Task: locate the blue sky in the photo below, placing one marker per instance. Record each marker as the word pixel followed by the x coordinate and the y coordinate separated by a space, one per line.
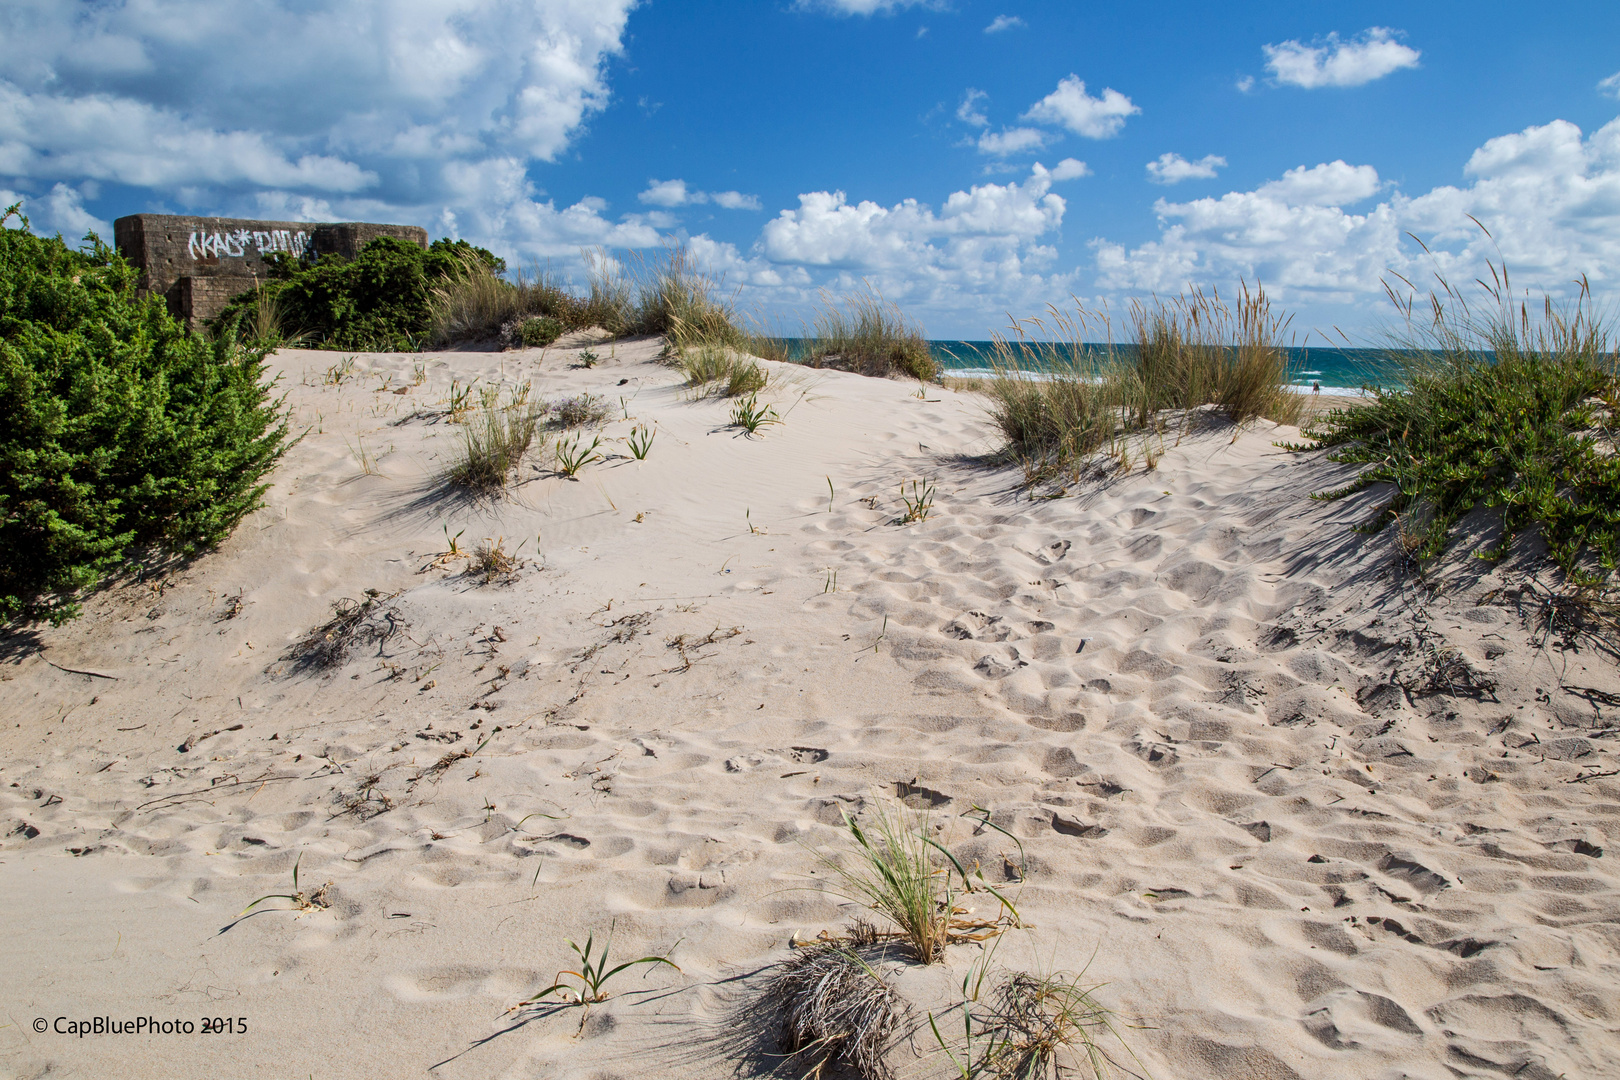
pixel 969 159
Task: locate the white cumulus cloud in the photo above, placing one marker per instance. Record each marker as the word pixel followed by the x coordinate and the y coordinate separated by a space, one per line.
pixel 358 108
pixel 1003 22
pixel 1610 86
pixel 1332 62
pixel 1069 169
pixel 969 112
pixel 1071 107
pixel 1011 141
pixel 1173 168
pixel 673 193
pixel 1549 196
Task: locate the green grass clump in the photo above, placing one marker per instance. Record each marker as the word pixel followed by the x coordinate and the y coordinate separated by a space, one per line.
pixel 894 869
pixel 717 369
pixel 863 332
pixel 494 440
pixel 1500 409
pixel 1061 403
pixel 123 437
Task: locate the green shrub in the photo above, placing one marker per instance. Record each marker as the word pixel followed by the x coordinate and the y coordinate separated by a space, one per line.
pixel 1503 411
pixel 121 434
pixel 538 333
pixel 379 301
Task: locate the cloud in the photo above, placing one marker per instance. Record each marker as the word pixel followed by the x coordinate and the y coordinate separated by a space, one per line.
pixel 1550 198
pixel 1173 168
pixel 1245 84
pixel 1011 141
pixel 1003 22
pixel 969 112
pixel 1610 86
pixel 673 193
pixel 864 7
pixel 346 108
pixel 1332 62
pixel 1069 169
pixel 1071 107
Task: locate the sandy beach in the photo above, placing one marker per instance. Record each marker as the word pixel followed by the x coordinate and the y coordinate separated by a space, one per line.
pixel 1298 814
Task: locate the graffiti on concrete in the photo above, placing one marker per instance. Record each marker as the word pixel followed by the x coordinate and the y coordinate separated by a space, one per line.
pixel 235 243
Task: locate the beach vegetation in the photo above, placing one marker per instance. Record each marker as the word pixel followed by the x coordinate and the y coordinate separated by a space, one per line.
pixel 720 370
pixel 640 441
pixel 834 1009
pixel 750 415
pixel 581 410
pixel 572 455
pixel 919 503
pixel 302 900
pixel 373 619
pixel 494 440
pixel 586 983
pixel 1062 404
pixel 1034 1027
pixel 125 440
pixel 862 331
pixel 1502 405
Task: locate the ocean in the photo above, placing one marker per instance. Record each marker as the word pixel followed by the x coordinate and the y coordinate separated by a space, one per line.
pixel 1335 370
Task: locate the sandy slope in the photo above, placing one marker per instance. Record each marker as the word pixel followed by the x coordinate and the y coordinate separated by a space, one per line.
pixel 1206 707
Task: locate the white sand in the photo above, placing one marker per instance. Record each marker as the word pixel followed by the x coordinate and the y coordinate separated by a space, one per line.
pixel 1175 687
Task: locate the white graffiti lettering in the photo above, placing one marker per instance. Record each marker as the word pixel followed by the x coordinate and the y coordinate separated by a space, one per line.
pixel 234 244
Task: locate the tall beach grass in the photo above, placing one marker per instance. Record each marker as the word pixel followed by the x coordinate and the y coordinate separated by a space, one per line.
pixel 1061 403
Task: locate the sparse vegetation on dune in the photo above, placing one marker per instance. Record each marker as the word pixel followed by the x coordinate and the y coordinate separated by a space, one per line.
pixel 1501 406
pixel 721 370
pixel 494 440
pixel 1061 404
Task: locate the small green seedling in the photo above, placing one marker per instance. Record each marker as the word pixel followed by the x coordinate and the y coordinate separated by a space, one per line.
pixel 588 359
pixel 920 503
pixel 641 440
pixel 572 457
pixel 315 900
pixel 593 974
pixel 751 416
pixel 829 495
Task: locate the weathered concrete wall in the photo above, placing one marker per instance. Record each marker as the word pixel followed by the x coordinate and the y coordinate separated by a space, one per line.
pixel 198 263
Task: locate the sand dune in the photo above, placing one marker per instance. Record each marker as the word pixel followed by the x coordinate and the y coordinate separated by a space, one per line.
pixel 1302 818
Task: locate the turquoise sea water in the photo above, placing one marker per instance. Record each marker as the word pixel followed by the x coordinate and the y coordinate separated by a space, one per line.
pixel 1341 370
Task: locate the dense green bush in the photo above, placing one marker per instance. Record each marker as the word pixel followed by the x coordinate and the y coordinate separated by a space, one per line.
pixel 379 301
pixel 121 434
pixel 1502 411
pixel 540 332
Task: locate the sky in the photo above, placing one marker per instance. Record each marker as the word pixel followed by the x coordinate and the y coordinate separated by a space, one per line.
pixel 973 161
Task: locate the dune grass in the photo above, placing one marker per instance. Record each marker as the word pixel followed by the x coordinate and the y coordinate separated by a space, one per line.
pixel 1061 404
pixel 863 332
pixel 720 370
pixel 494 440
pixel 1501 405
pixel 1035 1027
pixel 894 869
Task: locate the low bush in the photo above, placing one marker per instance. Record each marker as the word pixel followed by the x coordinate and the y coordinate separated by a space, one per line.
pixel 122 435
pixel 382 300
pixel 582 410
pixel 1503 410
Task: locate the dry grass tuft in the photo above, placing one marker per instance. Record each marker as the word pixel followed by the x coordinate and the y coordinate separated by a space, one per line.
pixel 371 620
pixel 1037 1027
pixel 492 562
pixel 835 1009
